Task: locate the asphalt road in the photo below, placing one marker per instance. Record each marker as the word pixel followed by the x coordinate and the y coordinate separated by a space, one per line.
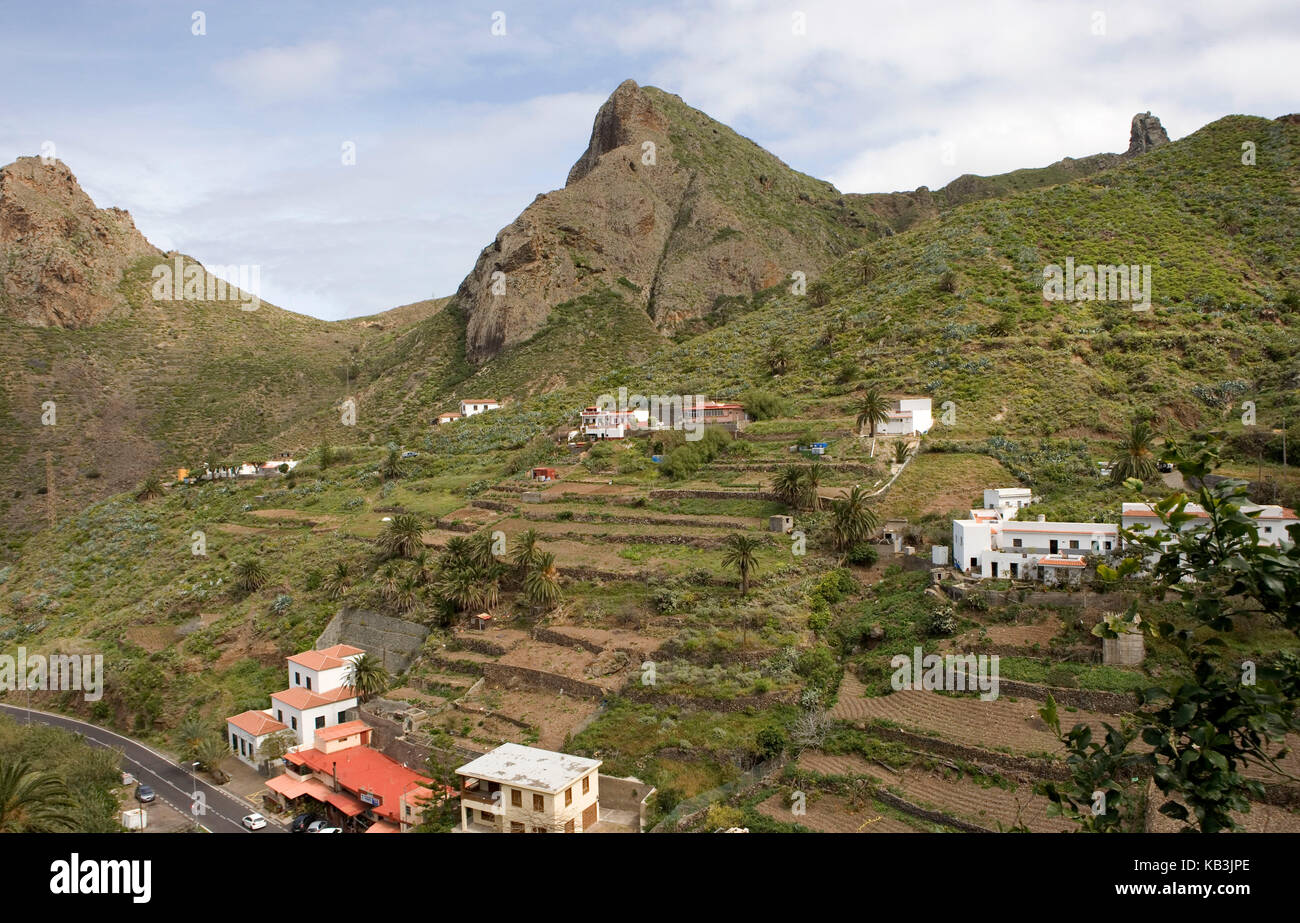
pixel 171 782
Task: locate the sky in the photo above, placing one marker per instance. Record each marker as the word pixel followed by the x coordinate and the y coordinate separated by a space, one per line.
pixel 224 127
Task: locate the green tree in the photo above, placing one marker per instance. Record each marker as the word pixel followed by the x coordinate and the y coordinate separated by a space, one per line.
pixel 368 677
pixel 212 752
pixel 276 746
pixel 1217 715
pixel 32 801
pixel 1136 455
pixel 325 454
pixel 788 485
pixel 852 519
pixel 403 536
pixel 151 488
pixel 812 481
pixel 542 583
pixel 338 582
pixel 392 467
pixel 740 555
pixel 873 409
pixel 250 574
pixel 527 553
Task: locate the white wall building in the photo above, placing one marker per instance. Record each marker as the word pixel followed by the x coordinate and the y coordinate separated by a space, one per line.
pixel 909 416
pixel 474 405
pixel 1007 500
pixel 987 545
pixel 246 733
pixel 317 698
pixel 613 424
pixel 518 789
pixel 1271 523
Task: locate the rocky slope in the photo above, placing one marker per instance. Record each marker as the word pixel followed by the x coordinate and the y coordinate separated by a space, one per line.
pixel 676 208
pixel 60 256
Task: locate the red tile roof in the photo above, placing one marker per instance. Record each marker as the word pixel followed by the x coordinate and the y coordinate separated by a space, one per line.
pixel 341 651
pixel 346 729
pixel 316 660
pixel 1060 562
pixel 291 788
pixel 256 723
pixel 361 769
pixel 301 698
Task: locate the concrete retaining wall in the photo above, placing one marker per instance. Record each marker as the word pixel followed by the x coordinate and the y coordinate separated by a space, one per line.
pixel 394 641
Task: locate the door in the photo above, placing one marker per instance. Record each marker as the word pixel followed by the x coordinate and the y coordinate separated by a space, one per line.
pixel 995 568
pixel 1015 570
pixel 1054 545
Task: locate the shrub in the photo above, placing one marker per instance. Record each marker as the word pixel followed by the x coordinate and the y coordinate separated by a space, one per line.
pixel 770 742
pixel 863 554
pixel 763 405
pixel 942 621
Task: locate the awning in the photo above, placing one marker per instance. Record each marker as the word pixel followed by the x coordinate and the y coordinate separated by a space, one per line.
pixel 291 788
pixel 382 826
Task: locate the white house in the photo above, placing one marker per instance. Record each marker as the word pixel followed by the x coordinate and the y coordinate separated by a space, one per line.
pixel 247 731
pixel 317 698
pixel 448 418
pixel 987 545
pixel 612 424
pixel 1007 500
pixel 1271 522
pixel 471 406
pixel 520 789
pixel 909 416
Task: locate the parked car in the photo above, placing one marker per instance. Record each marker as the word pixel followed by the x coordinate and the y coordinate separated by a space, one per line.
pixel 317 825
pixel 330 830
pixel 254 821
pixel 410 454
pixel 1164 466
pixel 302 821
pixel 144 794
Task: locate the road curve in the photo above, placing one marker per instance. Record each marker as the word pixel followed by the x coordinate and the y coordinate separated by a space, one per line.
pixel 173 783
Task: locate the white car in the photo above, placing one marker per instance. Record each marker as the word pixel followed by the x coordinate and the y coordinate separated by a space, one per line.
pixel 330 830
pixel 254 821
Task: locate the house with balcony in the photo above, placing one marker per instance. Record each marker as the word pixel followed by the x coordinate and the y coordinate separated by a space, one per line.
pixel 987 545
pixel 908 415
pixel 519 789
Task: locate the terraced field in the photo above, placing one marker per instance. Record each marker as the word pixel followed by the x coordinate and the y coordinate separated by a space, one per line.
pixel 833 814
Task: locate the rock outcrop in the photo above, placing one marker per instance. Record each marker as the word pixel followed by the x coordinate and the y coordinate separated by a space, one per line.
pixel 667 207
pixel 1145 134
pixel 61 258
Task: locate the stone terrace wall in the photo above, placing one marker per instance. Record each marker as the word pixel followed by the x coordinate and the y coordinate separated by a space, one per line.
pixel 501 674
pixel 395 641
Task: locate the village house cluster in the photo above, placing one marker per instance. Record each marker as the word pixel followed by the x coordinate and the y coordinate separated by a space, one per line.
pixel 992 543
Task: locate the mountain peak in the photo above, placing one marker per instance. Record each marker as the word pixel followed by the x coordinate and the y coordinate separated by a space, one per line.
pixel 627 113
pixel 62 256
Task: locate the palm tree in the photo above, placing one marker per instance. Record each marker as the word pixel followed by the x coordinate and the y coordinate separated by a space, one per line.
pixel 367 676
pixel 402 536
pixel 479 552
pixel 406 596
pixel 872 409
pixel 778 360
pixel 788 485
pixel 869 267
pixel 740 556
pixel 459 586
pixel 32 801
pixel 853 520
pixel 527 553
pixel 338 582
pixel 212 751
pixel 542 582
pixel 250 574
pixel 387 579
pixel 391 468
pixel 1136 458
pixel 150 489
pixel 190 734
pixel 812 479
pixel 900 452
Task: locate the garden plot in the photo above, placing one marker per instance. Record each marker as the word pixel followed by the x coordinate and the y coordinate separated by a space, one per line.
pixel 559 489
pixel 1001 725
pixel 643 641
pixel 833 814
pixel 989 806
pixel 553 716
pixel 471 515
pixel 1001 634
pixel 844 764
pixel 940 482
pixel 570 662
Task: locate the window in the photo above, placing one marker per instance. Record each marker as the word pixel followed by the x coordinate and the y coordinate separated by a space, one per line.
pixel 279 716
pixel 234 742
pixel 516 826
pixel 309 682
pixel 297 678
pixel 1074 543
pixel 539 803
pixel 1108 546
pixel 1016 543
pixel 586 784
pixel 516 798
pixel 293 722
pixel 343 717
pixel 568 827
pixel 568 796
pixel 320 722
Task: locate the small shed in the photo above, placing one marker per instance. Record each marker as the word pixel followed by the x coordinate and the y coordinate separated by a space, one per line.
pixel 545 474
pixel 481 620
pixel 780 524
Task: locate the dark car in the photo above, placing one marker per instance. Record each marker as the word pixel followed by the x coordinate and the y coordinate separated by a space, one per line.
pixel 302 822
pixel 144 794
